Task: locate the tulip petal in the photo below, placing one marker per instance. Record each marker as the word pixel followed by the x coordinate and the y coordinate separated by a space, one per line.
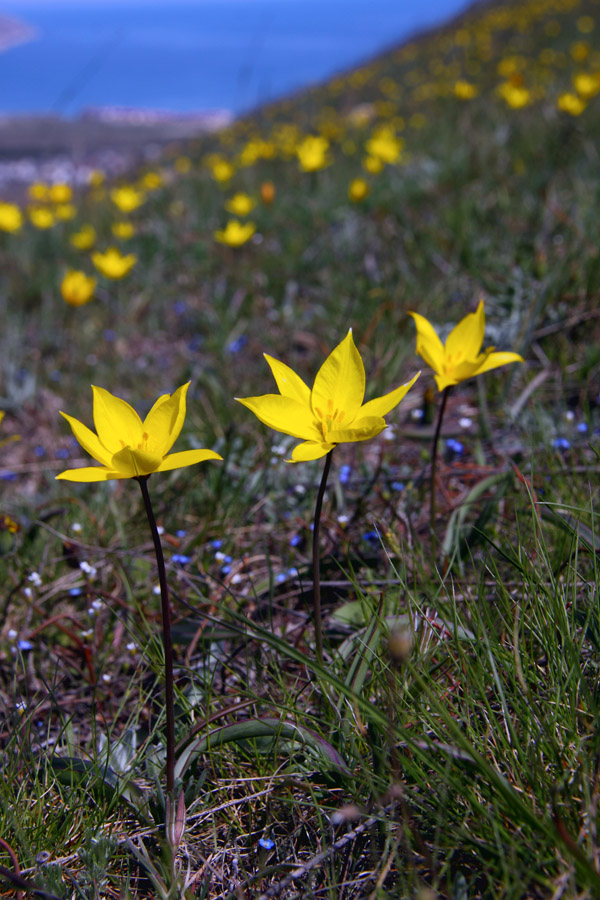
pixel 339 387
pixel 502 358
pixel 164 422
pixel 289 383
pixel 284 414
pixel 429 346
pixel 381 406
pixel 133 463
pixel 91 473
pixel 465 340
pixel 88 440
pixel 310 450
pixel 361 430
pixel 117 423
pixel 186 458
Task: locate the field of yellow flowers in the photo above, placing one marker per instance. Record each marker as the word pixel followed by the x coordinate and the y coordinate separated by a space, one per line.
pixel 341 637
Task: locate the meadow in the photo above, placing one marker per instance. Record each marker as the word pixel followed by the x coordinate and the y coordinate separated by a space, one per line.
pixel 385 681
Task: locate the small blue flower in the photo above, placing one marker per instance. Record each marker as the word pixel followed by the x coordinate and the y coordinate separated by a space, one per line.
pixel 225 570
pixel 371 537
pixel 179 307
pixel 561 443
pixel 295 540
pixel 238 344
pixel 344 476
pixel 181 533
pixel 293 572
pixel 217 544
pixel 181 559
pixel 8 476
pixel 75 592
pixel 397 485
pixel 62 453
pixel 582 427
pixel 266 843
pixel 454 446
pixel 24 646
pixel 39 450
pixel 280 577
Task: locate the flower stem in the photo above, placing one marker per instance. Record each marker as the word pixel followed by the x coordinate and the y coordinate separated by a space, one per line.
pixel 316 560
pixel 167 642
pixel 434 455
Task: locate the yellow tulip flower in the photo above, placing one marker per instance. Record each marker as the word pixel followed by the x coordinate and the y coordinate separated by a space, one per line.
pixel 83 239
pixel 114 264
pixel 332 412
pixel 123 230
pixel 461 356
pixel 77 287
pixel 313 154
pixel 11 219
pixel 41 217
pixel 235 234
pixel 125 446
pixel 240 204
pixel 127 198
pixel 358 190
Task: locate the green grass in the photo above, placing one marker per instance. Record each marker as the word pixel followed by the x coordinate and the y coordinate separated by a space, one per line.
pixel 449 744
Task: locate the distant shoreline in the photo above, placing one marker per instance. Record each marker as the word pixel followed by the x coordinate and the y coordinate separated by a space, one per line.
pixel 13 32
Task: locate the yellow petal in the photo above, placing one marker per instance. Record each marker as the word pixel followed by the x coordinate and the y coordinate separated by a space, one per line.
pixel 493 360
pixel 92 473
pixel 340 382
pixel 133 463
pixel 465 340
pixel 289 384
pixel 381 406
pixel 88 440
pixel 164 422
pixel 284 414
pixel 310 450
pixel 429 346
pixel 361 430
pixel 186 458
pixel 117 423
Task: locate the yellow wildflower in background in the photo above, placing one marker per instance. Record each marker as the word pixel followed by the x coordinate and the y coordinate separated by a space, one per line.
pixel 39 191
pixel 515 95
pixel 60 193
pixel 114 264
pixel 372 164
pixel 127 198
pixel 461 357
pixel 123 230
pixel 587 84
pixel 125 446
pixel 240 204
pixel 151 181
pixel 358 190
pixel 11 218
pixel 65 211
pixel 83 239
pixel 222 171
pixel 571 104
pixel 41 217
pixel 384 145
pixel 235 233
pixel 77 288
pixel 312 153
pixel 332 412
pixel 465 90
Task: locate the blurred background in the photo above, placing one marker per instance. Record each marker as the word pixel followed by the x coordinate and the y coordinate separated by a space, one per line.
pixel 189 57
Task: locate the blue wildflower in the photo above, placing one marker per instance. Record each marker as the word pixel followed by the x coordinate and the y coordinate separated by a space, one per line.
pixel 266 843
pixel 238 344
pixel 561 443
pixel 344 476
pixel 397 485
pixel 295 540
pixel 582 427
pixel 181 559
pixel 454 446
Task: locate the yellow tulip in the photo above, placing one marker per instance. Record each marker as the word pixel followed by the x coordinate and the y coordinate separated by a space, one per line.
pixel 332 412
pixel 114 264
pixel 77 288
pixel 125 446
pixel 461 356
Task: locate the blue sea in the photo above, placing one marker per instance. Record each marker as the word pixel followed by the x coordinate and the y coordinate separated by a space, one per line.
pixel 196 55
